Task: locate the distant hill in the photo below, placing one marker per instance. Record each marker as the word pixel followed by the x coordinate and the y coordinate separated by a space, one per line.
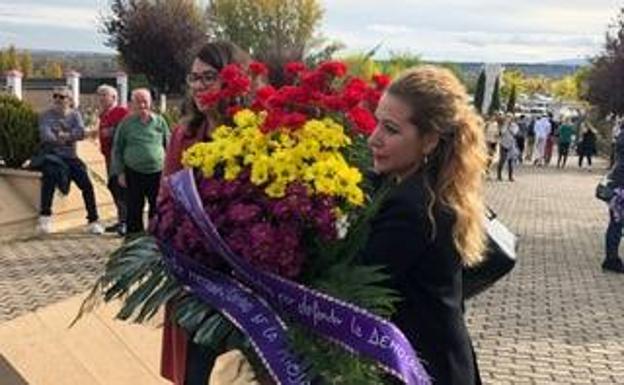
pixel 99 64
pixel 87 63
pixel 538 69
pixel 578 62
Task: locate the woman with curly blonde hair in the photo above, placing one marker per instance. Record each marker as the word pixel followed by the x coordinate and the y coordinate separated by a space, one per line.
pixel 430 225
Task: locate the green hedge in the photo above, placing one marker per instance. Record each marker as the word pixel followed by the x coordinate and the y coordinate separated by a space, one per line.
pixel 19 133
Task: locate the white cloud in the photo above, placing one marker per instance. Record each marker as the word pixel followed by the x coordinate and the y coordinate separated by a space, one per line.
pixel 490 30
pixel 37 15
pixel 389 29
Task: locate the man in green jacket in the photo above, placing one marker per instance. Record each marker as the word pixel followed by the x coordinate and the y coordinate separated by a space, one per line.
pixel 138 157
pixel 566 130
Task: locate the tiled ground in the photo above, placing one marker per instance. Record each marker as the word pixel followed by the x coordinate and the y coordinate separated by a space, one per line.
pixel 557 319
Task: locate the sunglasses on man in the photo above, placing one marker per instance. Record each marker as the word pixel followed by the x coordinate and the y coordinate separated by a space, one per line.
pixel 59 96
pixel 206 78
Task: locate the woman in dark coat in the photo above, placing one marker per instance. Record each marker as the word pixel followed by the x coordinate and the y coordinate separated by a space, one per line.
pixel 587 146
pixel 429 140
pixel 613 236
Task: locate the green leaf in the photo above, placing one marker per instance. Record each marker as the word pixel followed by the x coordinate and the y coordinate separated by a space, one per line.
pixel 139 295
pixel 213 331
pixel 160 297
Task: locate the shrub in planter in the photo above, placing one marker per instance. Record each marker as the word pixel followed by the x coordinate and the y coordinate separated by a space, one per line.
pixel 19 133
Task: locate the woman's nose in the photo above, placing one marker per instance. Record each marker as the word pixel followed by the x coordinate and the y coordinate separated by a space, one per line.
pixel 373 139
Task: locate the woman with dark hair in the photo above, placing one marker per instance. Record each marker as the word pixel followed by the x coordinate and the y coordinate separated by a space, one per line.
pixel 184 362
pixel 203 77
pixel 430 143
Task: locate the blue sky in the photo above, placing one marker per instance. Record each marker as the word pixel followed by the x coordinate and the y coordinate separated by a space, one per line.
pixel 456 30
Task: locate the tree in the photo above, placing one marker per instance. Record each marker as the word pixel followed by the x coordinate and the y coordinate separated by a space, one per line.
pixel 511 101
pixel 11 58
pixel 495 105
pixel 52 69
pixel 537 85
pixel 605 83
pixel 480 92
pixel 3 62
pixel 567 88
pixel 273 31
pixel 513 78
pixel 156 38
pixel 26 64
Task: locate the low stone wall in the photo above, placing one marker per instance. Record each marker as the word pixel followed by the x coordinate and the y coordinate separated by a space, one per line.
pixel 20 192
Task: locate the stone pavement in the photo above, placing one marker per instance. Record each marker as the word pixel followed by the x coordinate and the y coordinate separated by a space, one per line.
pixel 556 319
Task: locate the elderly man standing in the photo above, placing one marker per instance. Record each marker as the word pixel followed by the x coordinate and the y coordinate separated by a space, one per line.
pixel 60 127
pixel 110 116
pixel 138 157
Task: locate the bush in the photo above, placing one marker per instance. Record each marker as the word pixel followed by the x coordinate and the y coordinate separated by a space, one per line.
pixel 19 133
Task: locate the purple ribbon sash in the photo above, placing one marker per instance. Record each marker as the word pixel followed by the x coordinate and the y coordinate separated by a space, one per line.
pixel 266 331
pixel 354 328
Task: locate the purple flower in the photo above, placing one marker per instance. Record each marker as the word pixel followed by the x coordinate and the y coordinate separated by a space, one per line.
pixel 242 213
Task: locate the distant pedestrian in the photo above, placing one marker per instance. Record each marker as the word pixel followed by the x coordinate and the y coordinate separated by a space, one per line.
pixel 60 127
pixel 530 139
pixel 138 157
pixel 111 115
pixel 508 151
pixel 492 134
pixel 521 136
pixel 587 146
pixel 566 131
pixel 615 132
pixel 552 139
pixel 613 236
pixel 542 131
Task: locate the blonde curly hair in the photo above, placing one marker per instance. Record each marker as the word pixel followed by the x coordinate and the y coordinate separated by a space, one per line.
pixel 454 169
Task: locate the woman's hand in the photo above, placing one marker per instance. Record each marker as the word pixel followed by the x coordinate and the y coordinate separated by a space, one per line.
pixel 232 368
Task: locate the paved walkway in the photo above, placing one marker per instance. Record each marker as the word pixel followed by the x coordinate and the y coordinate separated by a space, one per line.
pixel 556 319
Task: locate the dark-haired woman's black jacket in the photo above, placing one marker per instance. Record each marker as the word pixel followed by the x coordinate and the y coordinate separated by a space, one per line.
pixel 427 274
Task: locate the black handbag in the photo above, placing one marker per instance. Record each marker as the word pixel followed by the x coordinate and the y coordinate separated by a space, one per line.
pixel 604 189
pixel 499 260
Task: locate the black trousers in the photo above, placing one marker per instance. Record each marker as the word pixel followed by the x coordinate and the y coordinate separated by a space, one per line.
pixel 119 197
pixel 140 187
pixel 584 155
pixel 77 174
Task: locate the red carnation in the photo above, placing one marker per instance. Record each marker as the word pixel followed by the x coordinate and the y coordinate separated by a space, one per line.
pixel 294 120
pixel 294 68
pixel 334 68
pixel 332 102
pixel 373 98
pixel 363 120
pixel 381 81
pixel 210 98
pixel 231 72
pixel 258 68
pixel 313 80
pixel 231 111
pixel 272 121
pixel 262 97
pixel 354 92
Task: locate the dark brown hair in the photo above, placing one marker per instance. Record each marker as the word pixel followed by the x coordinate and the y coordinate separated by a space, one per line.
pixel 217 54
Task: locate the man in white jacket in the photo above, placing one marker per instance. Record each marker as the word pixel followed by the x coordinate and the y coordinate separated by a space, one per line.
pixel 542 130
